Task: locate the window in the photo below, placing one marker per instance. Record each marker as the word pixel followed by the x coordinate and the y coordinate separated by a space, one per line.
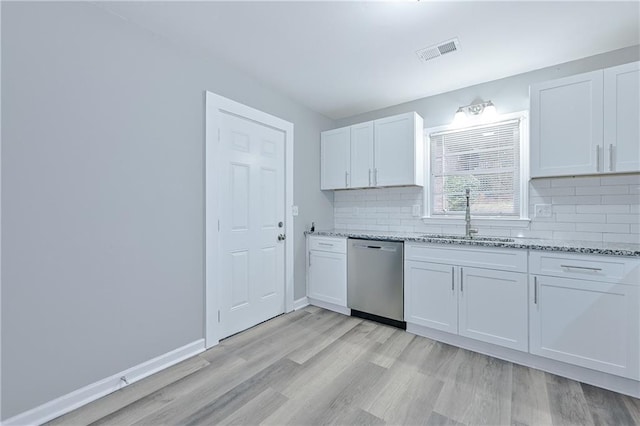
pixel 487 159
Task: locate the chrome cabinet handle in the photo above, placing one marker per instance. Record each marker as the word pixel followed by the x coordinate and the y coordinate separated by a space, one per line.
pixel 597 158
pixel 461 281
pixel 369 177
pixel 610 157
pixel 375 176
pixel 346 179
pixel 588 268
pixel 452 278
pixel 309 259
pixel 535 290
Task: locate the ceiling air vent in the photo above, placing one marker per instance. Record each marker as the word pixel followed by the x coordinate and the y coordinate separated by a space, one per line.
pixel 437 50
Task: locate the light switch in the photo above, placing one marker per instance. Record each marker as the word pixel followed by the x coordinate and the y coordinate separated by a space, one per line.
pixel 294 210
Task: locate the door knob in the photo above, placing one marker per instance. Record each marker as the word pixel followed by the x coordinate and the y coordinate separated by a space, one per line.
pixel 281 237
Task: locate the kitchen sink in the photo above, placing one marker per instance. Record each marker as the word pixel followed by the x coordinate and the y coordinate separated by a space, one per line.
pixel 462 237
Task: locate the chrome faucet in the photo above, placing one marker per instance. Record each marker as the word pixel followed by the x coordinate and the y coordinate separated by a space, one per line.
pixel 468 231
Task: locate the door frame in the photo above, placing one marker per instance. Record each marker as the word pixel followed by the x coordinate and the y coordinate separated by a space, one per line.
pixel 215 105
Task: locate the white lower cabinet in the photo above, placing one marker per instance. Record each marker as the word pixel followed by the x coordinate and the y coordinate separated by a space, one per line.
pixel 430 296
pixel 493 307
pixel 489 305
pixel 571 314
pixel 591 320
pixel 327 270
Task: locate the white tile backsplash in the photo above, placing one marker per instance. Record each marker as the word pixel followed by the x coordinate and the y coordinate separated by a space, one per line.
pixel 573 218
pixel 604 208
pixel 623 218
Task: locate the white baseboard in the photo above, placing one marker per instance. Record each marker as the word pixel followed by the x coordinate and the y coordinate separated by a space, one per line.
pixel 300 303
pixel 66 403
pixel 330 306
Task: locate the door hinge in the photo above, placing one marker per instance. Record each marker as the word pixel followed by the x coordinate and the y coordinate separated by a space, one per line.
pixel 218 315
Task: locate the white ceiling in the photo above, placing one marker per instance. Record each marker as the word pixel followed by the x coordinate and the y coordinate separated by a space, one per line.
pixel 345 58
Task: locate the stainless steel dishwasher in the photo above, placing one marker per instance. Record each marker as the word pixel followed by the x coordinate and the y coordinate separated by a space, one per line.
pixel 375 280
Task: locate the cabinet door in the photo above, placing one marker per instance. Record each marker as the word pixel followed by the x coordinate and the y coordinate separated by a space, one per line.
pixel 327 277
pixel 587 323
pixel 335 147
pixel 566 126
pixel 398 150
pixel 430 297
pixel 493 307
pixel 621 112
pixel 362 155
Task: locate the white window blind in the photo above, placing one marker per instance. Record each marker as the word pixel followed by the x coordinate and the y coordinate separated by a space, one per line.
pixel 486 160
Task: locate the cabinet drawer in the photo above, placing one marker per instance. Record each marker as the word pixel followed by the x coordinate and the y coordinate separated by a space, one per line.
pixel 331 244
pixel 514 260
pixel 616 269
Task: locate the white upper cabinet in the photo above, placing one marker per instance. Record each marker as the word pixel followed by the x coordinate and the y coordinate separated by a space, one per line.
pixel 335 158
pixel 622 118
pixel 586 124
pixel 399 150
pixel 384 152
pixel 362 155
pixel 566 126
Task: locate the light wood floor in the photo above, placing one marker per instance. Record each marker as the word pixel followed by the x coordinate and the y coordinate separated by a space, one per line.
pixel 317 367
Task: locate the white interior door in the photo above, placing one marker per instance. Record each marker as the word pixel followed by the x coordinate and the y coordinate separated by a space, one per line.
pixel 252 216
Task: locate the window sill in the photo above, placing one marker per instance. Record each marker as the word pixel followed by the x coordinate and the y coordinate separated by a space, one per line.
pixel 498 222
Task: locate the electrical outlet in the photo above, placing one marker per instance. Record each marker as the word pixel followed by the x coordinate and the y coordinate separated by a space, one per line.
pixel 543 210
pixel 416 210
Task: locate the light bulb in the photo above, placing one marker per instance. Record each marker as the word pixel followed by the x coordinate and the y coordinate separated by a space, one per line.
pixel 460 117
pixel 490 110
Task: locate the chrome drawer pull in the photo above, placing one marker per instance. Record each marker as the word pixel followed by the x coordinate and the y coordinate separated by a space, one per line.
pixel 326 244
pixel 611 157
pixel 452 279
pixel 535 290
pixel 581 267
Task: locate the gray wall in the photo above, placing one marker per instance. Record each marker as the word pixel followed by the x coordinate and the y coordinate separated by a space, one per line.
pixel 509 94
pixel 103 194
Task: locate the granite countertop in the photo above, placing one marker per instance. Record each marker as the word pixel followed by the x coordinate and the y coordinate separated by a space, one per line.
pixel 587 247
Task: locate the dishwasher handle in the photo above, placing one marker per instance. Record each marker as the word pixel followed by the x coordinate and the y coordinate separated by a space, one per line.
pixel 374 247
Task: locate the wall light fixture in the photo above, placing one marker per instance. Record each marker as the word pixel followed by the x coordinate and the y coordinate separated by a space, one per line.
pixel 485 109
